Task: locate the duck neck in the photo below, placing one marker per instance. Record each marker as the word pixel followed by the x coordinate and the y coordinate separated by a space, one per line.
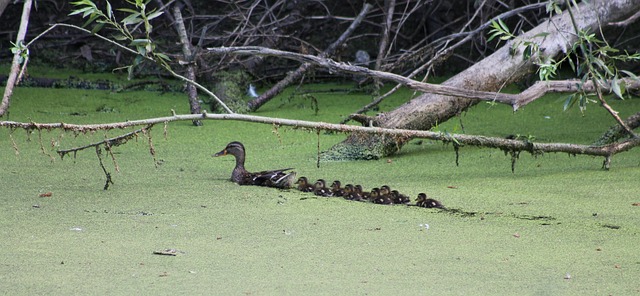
pixel 239 171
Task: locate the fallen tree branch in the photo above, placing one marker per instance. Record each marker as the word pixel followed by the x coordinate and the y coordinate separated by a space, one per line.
pixel 534 92
pixel 507 145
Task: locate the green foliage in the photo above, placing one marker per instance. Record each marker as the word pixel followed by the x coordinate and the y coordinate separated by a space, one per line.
pixel 590 58
pixel 22 49
pixel 145 47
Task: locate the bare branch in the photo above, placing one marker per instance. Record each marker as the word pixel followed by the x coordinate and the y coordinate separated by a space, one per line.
pixel 276 89
pixel 192 92
pixel 15 65
pixel 534 92
pixel 173 73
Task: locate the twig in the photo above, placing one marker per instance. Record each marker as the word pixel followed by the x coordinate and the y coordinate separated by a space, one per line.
pixel 106 173
pixel 276 89
pixel 173 73
pixel 613 113
pixel 111 142
pixel 626 22
pixel 390 6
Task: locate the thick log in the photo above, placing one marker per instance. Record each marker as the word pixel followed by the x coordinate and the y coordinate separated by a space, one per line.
pixel 490 74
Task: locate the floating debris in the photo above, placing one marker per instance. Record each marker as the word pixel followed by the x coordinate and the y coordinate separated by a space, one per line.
pixel 168 252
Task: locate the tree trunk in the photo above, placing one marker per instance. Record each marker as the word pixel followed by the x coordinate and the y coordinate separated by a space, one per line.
pixel 490 74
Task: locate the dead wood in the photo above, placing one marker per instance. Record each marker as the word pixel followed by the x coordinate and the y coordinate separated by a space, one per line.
pixel 16 69
pixel 534 92
pixel 188 56
pixel 294 75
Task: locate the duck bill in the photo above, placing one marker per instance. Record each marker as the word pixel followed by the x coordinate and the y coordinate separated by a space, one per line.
pixel 221 153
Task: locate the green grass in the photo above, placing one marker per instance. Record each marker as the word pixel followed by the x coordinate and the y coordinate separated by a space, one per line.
pixel 261 241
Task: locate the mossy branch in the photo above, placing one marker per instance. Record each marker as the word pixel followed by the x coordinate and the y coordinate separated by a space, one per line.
pixel 108 145
pixel 510 145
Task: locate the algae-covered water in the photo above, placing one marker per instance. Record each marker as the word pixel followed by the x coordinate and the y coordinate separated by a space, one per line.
pixel 559 225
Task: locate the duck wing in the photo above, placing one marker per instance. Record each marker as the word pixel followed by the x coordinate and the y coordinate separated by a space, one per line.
pixel 274 178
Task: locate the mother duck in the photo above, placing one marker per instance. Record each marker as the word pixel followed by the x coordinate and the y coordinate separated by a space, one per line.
pixel 274 178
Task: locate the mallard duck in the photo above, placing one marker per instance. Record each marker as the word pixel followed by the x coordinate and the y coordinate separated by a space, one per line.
pixel 274 178
pixel 336 190
pixel 399 198
pixel 304 186
pixel 321 189
pixel 423 201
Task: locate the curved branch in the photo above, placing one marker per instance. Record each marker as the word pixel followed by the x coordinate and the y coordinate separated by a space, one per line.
pixel 534 92
pixel 167 68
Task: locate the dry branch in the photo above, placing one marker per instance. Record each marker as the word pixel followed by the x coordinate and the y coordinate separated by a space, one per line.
pixel 507 145
pixel 534 92
pixel 292 76
pixel 14 76
pixel 192 92
pixel 173 73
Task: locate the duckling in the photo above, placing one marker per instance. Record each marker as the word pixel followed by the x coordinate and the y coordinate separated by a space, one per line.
pixel 321 189
pixel 399 198
pixel 348 190
pixel 373 194
pixel 423 201
pixel 356 194
pixel 336 190
pixel 381 196
pixel 304 186
pixel 385 190
pixel 273 178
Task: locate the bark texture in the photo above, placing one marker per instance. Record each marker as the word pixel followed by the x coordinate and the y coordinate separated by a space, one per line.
pixel 490 74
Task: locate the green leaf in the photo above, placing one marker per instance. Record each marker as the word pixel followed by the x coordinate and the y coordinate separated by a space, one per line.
pixel 503 25
pixel 163 56
pixel 617 88
pixel 154 14
pixel 109 10
pixel 97 28
pixel 120 37
pixel 569 102
pixel 527 53
pixel 132 19
pixel 129 10
pixel 630 74
pixel 137 42
pixel 90 20
pixel 83 10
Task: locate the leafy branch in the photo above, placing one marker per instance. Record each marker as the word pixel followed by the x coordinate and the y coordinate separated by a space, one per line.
pixel 145 48
pixel 592 59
